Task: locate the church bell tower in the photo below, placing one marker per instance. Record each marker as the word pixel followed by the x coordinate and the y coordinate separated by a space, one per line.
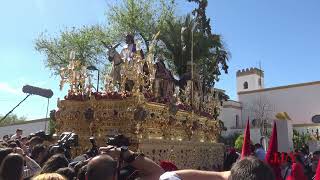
pixel 250 79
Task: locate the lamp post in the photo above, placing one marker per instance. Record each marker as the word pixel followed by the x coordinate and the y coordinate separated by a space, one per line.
pixel 93 68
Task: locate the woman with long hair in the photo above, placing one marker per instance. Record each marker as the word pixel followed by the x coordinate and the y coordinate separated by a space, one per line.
pixel 12 167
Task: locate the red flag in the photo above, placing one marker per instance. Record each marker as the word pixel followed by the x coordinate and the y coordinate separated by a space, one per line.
pixel 272 154
pixel 297 172
pixel 318 171
pixel 246 150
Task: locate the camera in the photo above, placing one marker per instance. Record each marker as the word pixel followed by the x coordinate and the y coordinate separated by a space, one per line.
pixel 64 144
pixel 118 141
pixel 69 139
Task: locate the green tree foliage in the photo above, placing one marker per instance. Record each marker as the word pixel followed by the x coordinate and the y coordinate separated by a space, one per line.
pixel 238 143
pixel 209 53
pixel 300 139
pixel 52 122
pixel 12 119
pixel 142 17
pixel 84 41
pixel 52 126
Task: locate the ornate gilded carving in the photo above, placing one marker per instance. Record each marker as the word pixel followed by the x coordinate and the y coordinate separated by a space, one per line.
pixel 177 129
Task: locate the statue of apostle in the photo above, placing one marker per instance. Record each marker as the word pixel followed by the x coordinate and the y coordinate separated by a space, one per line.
pixel 128 52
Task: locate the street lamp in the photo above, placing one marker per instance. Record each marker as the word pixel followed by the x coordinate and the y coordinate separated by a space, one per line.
pixel 93 68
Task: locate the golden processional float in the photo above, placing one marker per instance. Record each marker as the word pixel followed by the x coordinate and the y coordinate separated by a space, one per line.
pixel 141 101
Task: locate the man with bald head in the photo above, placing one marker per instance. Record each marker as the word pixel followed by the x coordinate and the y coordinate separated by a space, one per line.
pixel 105 166
pixel 102 167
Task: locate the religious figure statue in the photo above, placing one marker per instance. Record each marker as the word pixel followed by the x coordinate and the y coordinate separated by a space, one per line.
pixel 116 60
pixel 130 50
pixel 75 74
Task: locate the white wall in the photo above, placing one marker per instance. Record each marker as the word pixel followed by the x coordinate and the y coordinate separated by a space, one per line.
pixel 228 115
pixel 252 80
pixel 300 102
pixel 27 127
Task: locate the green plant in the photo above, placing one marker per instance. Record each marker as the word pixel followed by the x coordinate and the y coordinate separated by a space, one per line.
pixel 52 126
pixel 300 139
pixel 84 41
pixel 139 17
pixel 11 119
pixel 238 143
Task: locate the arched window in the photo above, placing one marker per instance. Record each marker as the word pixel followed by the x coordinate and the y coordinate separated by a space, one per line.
pixel 245 85
pixel 237 121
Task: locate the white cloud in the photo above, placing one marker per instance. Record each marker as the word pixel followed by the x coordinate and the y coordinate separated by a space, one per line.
pixel 5 87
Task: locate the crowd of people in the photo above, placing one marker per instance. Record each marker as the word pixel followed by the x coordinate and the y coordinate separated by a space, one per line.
pixel 307 162
pixel 32 158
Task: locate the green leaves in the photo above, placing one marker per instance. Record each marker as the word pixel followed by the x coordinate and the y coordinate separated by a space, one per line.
pixel 300 139
pixel 85 41
pixel 143 17
pixel 11 119
pixel 239 141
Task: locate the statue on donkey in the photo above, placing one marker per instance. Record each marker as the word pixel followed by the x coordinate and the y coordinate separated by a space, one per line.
pixel 124 61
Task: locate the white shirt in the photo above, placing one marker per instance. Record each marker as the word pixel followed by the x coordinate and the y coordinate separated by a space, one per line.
pixel 14 137
pixel 169 176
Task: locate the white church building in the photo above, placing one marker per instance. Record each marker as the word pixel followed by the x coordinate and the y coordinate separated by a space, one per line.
pixel 300 101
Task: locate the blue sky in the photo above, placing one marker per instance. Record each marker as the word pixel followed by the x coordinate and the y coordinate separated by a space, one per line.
pixel 283 35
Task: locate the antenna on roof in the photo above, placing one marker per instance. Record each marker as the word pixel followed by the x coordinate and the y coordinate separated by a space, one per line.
pixel 260 67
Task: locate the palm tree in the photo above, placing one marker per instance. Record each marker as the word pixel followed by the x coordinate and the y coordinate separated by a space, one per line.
pixel 208 53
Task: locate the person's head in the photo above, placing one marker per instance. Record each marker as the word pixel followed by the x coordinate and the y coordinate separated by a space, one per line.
pixel 24 140
pixel 54 163
pixel 257 146
pixel 12 144
pixel 102 167
pixel 12 167
pixel 34 141
pixel 39 153
pixel 6 138
pixel 129 39
pixel 251 168
pixel 19 132
pixel 252 148
pixel 49 176
pixel 67 172
pixel 315 160
pixel 4 152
